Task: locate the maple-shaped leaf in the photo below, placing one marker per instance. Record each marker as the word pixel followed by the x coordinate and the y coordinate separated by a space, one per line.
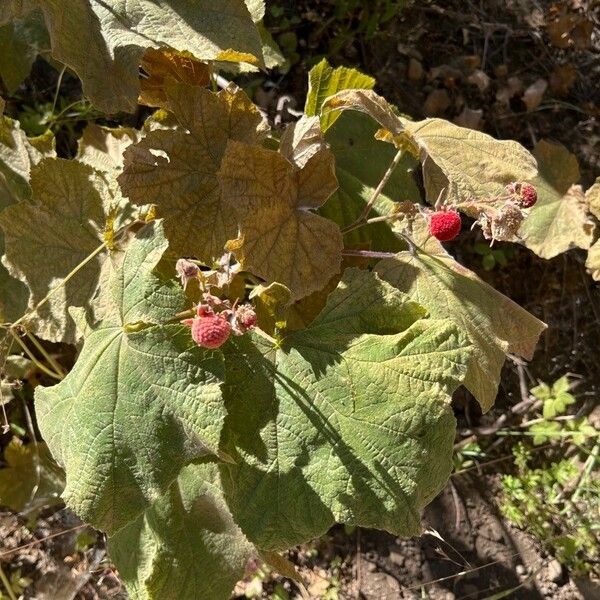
pixel 119 32
pixel 459 163
pixel 18 154
pixel 325 81
pixel 177 170
pixel 280 238
pixel 349 420
pixel 48 237
pixel 592 197
pixel 30 479
pixel 141 400
pixel 559 220
pixel 494 324
pixel 185 546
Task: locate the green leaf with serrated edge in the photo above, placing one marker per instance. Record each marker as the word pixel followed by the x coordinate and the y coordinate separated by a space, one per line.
pixel 186 546
pixel 141 400
pixel 361 161
pixel 280 239
pixel 21 41
pixel 349 420
pixel 177 170
pixel 494 324
pixel 559 220
pixel 47 238
pixel 325 81
pixel 117 35
pixel 30 479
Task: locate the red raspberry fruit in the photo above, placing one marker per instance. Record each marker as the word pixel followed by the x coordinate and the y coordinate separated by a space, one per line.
pixel 528 195
pixel 444 225
pixel 211 331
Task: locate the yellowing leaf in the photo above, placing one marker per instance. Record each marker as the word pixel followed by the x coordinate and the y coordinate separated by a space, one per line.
pixel 17 156
pixel 47 237
pixel 471 164
pixel 280 239
pixel 559 220
pixel 463 163
pixel 325 81
pixel 118 33
pixel 370 103
pixel 30 478
pixel 494 324
pixel 593 260
pixel 102 147
pixel 177 170
pixel 167 66
pixel 15 9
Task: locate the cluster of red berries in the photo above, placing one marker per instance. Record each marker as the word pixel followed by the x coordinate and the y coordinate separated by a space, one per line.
pixel 212 329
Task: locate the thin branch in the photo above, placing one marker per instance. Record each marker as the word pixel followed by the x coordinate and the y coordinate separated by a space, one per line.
pixel 57 287
pixel 53 362
pixel 42 367
pixel 362 220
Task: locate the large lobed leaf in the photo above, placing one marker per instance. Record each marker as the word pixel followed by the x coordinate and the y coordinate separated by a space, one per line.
pixel 346 421
pixel 494 324
pixel 280 239
pixel 117 32
pixel 18 155
pixel 186 546
pixel 177 170
pixel 459 163
pixel 559 220
pixel 47 237
pixel 141 401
